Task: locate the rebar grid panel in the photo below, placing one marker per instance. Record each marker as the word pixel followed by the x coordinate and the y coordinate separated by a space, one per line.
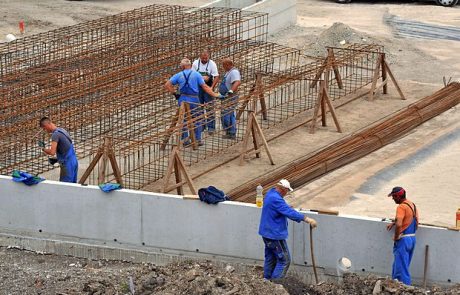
pixel 105 78
pixel 103 69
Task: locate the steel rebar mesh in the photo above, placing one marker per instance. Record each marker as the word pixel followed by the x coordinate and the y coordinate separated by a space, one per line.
pixel 105 78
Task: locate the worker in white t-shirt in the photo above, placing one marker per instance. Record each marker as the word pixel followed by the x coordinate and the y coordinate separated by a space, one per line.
pixel 208 69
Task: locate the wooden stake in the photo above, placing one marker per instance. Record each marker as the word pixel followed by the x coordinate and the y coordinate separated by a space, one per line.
pixel 425 267
pixel 382 66
pixel 322 100
pixel 106 152
pixel 253 128
pixel 177 166
pixel 338 78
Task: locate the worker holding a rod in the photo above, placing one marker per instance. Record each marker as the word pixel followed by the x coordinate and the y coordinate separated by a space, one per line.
pixel 62 147
pixel 274 231
pixel 406 223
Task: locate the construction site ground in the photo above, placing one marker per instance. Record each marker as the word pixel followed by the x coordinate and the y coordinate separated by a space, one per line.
pixel 25 273
pixel 417 62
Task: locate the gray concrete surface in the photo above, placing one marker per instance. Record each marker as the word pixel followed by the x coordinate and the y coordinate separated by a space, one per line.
pixel 60 214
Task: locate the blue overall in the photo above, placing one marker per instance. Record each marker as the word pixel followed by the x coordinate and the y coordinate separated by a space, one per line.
pixel 68 163
pixel 403 250
pixel 228 114
pixel 189 95
pixel 208 102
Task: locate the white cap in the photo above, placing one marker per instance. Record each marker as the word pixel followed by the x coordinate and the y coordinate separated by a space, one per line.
pixel 10 37
pixel 284 183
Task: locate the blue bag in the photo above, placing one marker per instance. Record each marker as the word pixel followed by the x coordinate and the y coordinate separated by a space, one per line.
pixel 26 178
pixel 212 195
pixel 108 187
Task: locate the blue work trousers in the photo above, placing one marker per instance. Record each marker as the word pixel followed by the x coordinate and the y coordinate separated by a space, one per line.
pixel 69 166
pixel 228 115
pixel 208 106
pixel 277 259
pixel 195 112
pixel 403 250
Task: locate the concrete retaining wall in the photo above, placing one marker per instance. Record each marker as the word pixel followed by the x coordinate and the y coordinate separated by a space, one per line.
pixel 281 13
pixel 56 214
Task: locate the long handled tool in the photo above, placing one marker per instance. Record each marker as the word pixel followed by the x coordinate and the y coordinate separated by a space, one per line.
pixel 425 268
pixel 313 255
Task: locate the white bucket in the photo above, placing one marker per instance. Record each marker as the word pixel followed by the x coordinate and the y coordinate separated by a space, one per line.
pixel 343 267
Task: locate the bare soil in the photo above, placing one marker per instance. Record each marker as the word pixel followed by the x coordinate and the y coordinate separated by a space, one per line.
pixel 24 272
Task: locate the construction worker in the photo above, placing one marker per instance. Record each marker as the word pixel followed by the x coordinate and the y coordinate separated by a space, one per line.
pixel 406 223
pixel 274 231
pixel 229 89
pixel 189 82
pixel 62 147
pixel 208 69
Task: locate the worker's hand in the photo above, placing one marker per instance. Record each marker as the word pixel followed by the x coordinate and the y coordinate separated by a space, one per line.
pixel 390 226
pixel 397 238
pixel 220 96
pixel 41 143
pixel 206 78
pixel 311 221
pixel 52 161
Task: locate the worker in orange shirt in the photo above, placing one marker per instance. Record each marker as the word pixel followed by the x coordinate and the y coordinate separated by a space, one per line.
pixel 406 223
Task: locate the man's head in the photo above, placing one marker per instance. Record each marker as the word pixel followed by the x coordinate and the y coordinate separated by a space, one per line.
pixel 185 64
pixel 204 56
pixel 283 187
pixel 47 125
pixel 398 194
pixel 227 64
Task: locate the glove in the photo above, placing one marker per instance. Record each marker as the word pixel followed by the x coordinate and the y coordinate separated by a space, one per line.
pixel 176 95
pixel 230 92
pixel 52 161
pixel 220 96
pixel 311 221
pixel 41 143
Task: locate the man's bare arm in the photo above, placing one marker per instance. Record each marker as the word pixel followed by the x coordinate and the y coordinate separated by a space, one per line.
pixel 52 150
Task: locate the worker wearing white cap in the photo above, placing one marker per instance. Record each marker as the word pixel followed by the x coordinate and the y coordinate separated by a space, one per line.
pixel 274 231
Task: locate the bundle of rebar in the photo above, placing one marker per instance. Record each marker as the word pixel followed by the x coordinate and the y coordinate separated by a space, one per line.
pixel 355 146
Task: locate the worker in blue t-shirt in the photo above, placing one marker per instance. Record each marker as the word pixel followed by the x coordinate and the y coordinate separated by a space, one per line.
pixel 274 231
pixel 62 147
pixel 189 83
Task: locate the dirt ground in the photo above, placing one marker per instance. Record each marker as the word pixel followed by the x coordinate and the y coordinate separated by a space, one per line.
pixel 24 273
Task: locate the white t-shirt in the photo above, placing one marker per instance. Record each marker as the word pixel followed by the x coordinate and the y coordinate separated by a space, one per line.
pixel 210 67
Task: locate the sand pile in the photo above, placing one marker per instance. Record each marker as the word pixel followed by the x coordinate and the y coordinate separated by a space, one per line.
pixel 338 35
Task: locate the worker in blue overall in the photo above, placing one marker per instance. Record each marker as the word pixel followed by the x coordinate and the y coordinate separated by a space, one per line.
pixel 274 229
pixel 229 89
pixel 61 147
pixel 406 223
pixel 208 69
pixel 189 82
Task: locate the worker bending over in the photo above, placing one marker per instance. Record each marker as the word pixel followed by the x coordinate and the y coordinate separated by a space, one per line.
pixel 208 70
pixel 229 89
pixel 406 223
pixel 274 229
pixel 62 147
pixel 189 82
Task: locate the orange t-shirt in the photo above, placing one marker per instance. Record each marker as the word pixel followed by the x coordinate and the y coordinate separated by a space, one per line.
pixel 405 213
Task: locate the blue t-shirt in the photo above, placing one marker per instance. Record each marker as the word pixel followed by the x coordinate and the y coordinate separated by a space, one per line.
pixel 273 221
pixel 195 80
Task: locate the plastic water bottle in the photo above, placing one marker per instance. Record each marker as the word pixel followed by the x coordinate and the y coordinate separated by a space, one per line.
pixel 458 218
pixel 259 196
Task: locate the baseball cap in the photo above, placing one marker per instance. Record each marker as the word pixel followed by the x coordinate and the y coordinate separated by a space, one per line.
pixel 397 190
pixel 285 183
